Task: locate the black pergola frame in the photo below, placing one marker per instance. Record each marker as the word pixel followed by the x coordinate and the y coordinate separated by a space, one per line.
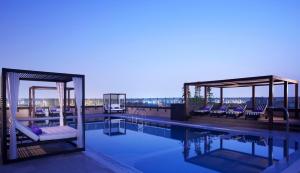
pixel 269 80
pixel 117 94
pixel 41 76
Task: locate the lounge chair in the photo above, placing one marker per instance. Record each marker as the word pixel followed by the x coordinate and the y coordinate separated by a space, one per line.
pixel 69 112
pixel 259 110
pixel 40 113
pixel 237 111
pixel 203 110
pixel 47 133
pixel 54 112
pixel 219 111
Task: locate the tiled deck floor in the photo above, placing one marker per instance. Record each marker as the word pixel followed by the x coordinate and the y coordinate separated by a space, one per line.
pixel 74 163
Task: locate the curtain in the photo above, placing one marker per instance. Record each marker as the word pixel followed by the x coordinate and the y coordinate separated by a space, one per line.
pixel 78 98
pixel 12 90
pixel 60 89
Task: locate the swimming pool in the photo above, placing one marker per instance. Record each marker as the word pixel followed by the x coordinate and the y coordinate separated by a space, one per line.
pixel 167 148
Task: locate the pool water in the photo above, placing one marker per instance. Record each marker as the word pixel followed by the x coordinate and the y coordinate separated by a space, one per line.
pixel 165 148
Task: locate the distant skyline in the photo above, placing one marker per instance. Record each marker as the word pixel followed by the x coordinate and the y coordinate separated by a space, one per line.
pixel 150 48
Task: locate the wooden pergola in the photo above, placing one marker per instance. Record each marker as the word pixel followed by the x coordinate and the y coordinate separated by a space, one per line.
pixel 253 82
pixel 32 91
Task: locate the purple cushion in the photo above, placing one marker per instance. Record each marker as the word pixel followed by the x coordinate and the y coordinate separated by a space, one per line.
pixel 39 110
pixel 207 107
pixel 223 108
pixel 54 110
pixel 239 109
pixel 260 109
pixel 36 130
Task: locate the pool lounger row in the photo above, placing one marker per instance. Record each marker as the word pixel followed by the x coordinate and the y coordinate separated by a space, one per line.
pixel 238 111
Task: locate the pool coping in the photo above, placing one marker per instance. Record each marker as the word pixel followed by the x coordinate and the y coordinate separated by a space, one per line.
pixel 110 163
pixel 284 165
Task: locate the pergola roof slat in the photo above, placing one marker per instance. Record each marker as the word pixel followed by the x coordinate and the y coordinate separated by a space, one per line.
pixel 43 76
pixel 244 82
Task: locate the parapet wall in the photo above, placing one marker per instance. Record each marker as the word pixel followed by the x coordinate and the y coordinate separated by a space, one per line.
pixel 147 111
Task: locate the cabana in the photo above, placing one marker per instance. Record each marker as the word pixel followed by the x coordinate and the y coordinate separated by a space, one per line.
pixel 14 131
pixel 252 82
pixel 114 103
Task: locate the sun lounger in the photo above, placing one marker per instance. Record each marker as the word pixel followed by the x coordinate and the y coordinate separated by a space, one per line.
pixel 257 112
pixel 54 112
pixel 69 112
pixel 40 113
pixel 204 110
pixel 237 111
pixel 219 111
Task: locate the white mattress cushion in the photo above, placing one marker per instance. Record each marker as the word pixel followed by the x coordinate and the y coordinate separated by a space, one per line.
pixel 57 132
pixel 115 106
pixel 119 109
pixel 27 131
pixel 201 110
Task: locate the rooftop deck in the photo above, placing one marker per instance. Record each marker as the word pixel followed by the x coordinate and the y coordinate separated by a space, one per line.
pixel 81 162
pixel 75 163
pixel 90 161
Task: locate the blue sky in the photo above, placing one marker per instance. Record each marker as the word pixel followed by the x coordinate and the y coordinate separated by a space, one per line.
pixel 150 48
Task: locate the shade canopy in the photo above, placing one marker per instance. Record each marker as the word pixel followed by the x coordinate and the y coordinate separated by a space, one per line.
pixel 244 82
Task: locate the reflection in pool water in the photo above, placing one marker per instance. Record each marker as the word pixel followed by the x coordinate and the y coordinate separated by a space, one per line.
pixel 166 148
